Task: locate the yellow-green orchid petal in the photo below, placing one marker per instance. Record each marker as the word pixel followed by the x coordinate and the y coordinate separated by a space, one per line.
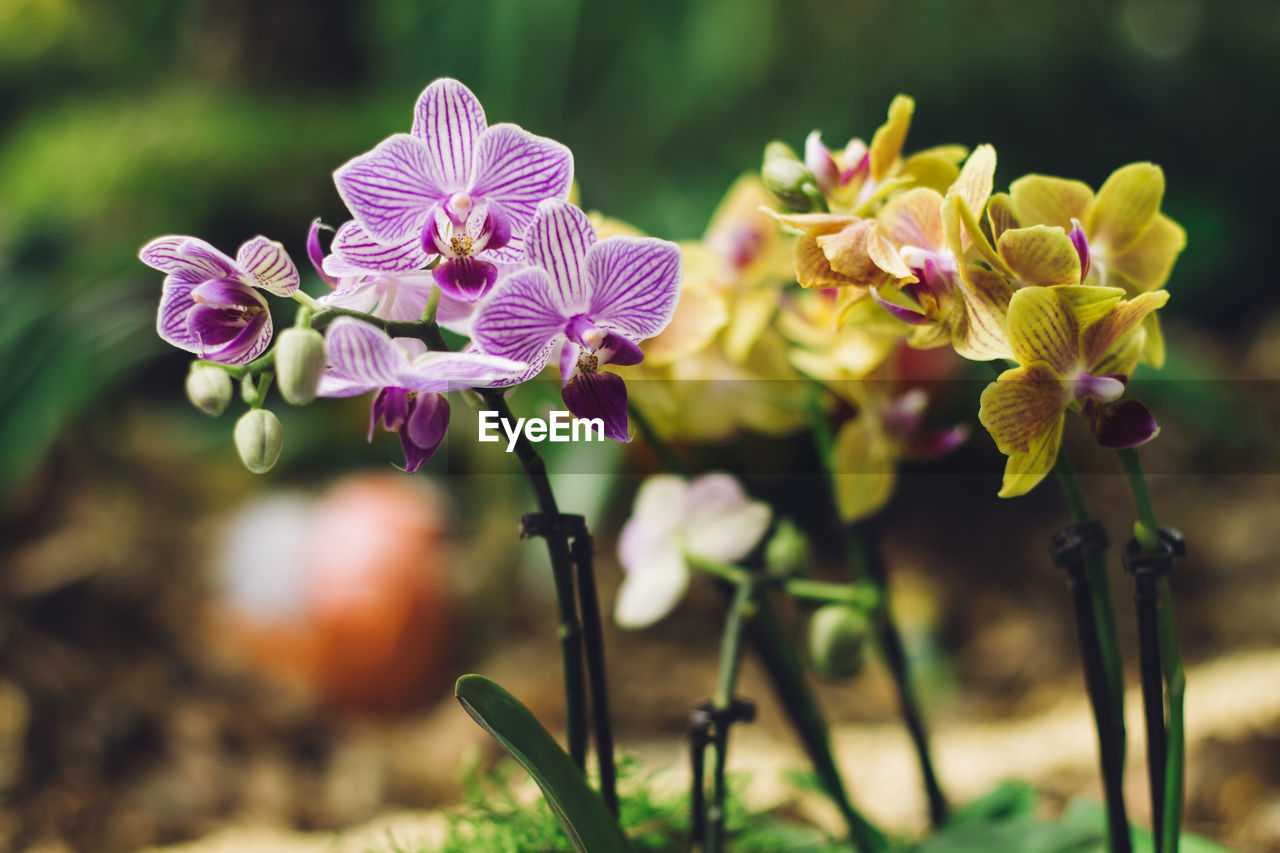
pixel 1024 471
pixel 929 337
pixel 853 308
pixel 886 145
pixel 813 267
pixel 1022 405
pixel 956 215
pixel 975 180
pixel 978 330
pixel 700 314
pixel 1107 344
pixel 864 470
pixel 1040 254
pixel 1001 215
pixel 1125 206
pixel 935 168
pixel 1147 263
pixel 1153 345
pixel 914 218
pixel 1090 303
pixel 1043 328
pixel 1045 200
pixel 749 315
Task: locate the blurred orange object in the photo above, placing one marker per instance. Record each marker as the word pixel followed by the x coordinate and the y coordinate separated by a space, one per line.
pixel 361 610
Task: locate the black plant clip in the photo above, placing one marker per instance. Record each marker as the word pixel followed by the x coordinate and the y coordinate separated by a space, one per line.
pixel 705 724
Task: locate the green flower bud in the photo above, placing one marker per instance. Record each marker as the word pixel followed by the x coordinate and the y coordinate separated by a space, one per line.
pixel 787 551
pixel 259 438
pixel 209 389
pixel 300 362
pixel 838 641
pixel 789 180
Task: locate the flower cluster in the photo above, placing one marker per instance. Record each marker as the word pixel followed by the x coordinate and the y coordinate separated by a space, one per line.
pixel 456 224
pixel 897 250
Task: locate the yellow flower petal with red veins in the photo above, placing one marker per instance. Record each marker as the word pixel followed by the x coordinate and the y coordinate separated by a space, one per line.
pixel 914 219
pixel 886 145
pixel 699 316
pixel 1105 343
pixel 929 337
pixel 1022 405
pixel 1040 254
pixel 974 183
pixel 1044 200
pixel 813 269
pixel 1125 206
pixel 853 308
pixel 1024 471
pixel 1001 215
pixel 978 330
pixel 1090 303
pixel 1148 262
pixel 1043 328
pixel 846 251
pixel 864 471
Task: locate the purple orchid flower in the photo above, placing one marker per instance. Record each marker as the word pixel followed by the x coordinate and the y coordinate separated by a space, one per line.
pixel 455 187
pixel 410 385
pixel 209 305
pixel 385 281
pixel 596 299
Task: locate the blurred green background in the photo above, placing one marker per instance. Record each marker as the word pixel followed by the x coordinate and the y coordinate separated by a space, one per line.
pixel 124 119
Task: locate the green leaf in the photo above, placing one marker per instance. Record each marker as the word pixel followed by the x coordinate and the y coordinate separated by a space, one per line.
pixel 590 827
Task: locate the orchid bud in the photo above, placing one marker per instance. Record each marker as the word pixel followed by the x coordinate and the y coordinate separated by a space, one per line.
pixel 259 438
pixel 838 641
pixel 789 180
pixel 209 389
pixel 787 550
pixel 300 362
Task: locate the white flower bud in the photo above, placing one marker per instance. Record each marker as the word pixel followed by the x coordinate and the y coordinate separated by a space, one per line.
pixel 300 363
pixel 209 389
pixel 838 641
pixel 259 438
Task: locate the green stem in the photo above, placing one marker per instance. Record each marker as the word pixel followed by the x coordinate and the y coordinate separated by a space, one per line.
pixel 1175 685
pixel 307 301
pixel 859 595
pixel 1147 531
pixel 730 661
pixel 571 641
pixel 889 639
pixel 433 304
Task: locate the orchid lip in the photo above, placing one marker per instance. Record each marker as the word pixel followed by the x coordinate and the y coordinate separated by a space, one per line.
pixel 1101 388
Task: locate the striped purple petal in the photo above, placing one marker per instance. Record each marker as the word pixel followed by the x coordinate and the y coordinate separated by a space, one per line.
pixel 522 318
pixel 363 355
pixel 558 240
pixel 171 322
pixel 450 120
pixel 354 252
pixel 599 395
pixel 251 342
pixel 391 190
pixel 518 170
pixel 452 371
pixel 634 283
pixel 906 315
pixel 188 259
pixel 269 266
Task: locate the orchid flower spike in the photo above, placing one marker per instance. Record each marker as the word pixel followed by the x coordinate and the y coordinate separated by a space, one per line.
pixel 597 299
pixel 210 305
pixel 455 187
pixel 710 517
pixel 410 387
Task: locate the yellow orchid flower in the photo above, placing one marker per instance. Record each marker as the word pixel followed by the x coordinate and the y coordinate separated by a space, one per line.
pixel 887 429
pixel 1118 236
pixel 1074 345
